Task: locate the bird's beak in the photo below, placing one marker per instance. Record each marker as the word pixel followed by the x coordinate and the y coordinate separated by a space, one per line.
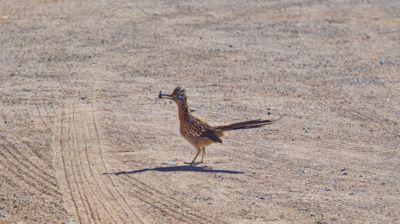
pixel 164 96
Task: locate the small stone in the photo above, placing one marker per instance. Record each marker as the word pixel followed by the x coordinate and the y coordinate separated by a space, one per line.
pixel 170 163
pixel 333 182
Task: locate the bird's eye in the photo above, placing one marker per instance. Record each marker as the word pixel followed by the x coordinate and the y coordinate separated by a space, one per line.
pixel 181 97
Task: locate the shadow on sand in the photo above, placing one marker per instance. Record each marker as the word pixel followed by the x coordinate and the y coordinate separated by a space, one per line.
pixel 196 169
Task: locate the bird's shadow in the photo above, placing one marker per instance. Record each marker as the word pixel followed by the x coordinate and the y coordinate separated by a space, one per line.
pixel 196 169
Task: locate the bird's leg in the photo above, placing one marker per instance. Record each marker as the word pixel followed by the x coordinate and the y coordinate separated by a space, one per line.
pixel 202 155
pixel 198 152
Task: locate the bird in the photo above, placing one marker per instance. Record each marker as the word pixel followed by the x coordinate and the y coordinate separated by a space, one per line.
pixel 199 133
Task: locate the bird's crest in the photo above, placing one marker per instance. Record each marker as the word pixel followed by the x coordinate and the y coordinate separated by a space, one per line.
pixel 179 91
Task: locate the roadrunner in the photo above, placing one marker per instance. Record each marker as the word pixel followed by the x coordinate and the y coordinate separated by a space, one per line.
pixel 199 133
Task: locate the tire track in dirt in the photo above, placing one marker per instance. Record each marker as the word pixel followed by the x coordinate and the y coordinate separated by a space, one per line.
pixel 341 155
pixel 28 169
pixel 43 120
pixel 66 174
pixel 93 196
pixel 29 155
pixel 20 181
pixel 357 115
pixel 8 181
pixel 371 118
pixel 138 194
pixel 89 186
pixel 244 151
pixel 304 157
pixel 93 134
pixel 114 205
pixel 164 203
pixel 366 153
pixel 308 143
pixel 25 184
pixel 333 144
pixel 35 157
pixel 93 163
pixel 85 189
pixel 29 161
pixel 24 176
pixel 309 153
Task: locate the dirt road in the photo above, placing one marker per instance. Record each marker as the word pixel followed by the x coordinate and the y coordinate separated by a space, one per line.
pixel 84 139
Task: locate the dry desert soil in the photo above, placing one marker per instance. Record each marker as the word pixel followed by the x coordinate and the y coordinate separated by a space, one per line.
pixel 84 139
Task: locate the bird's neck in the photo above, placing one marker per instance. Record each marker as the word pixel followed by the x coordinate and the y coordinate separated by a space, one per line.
pixel 183 111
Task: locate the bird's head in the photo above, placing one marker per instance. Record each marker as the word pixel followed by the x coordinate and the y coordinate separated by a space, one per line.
pixel 178 95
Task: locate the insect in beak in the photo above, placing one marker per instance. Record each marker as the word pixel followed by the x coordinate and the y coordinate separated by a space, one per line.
pixel 164 96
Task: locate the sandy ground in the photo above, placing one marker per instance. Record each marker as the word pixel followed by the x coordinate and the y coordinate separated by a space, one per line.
pixel 84 139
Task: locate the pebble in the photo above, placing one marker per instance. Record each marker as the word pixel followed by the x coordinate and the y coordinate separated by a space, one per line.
pixel 333 182
pixel 169 163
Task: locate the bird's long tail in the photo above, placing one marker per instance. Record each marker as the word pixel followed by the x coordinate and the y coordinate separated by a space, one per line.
pixel 246 124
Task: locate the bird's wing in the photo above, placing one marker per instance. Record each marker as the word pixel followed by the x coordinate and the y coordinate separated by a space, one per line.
pixel 202 129
pixel 211 135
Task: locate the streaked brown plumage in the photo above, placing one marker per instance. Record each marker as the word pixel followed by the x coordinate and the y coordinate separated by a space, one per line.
pixel 199 133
